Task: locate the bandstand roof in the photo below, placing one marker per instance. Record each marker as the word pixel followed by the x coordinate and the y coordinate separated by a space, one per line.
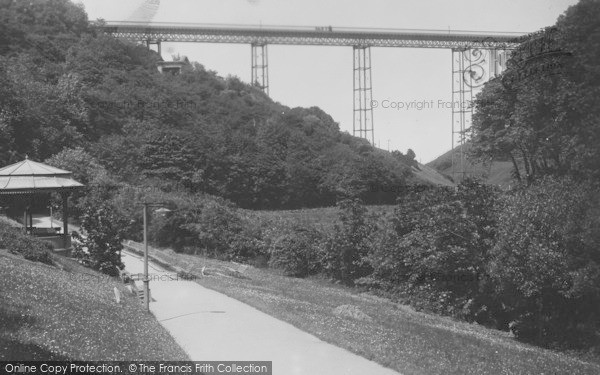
pixel 28 176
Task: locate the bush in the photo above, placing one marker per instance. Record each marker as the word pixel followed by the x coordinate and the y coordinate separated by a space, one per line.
pixel 248 245
pixel 101 248
pixel 347 247
pixel 197 223
pixel 29 247
pixel 433 251
pixel 214 226
pixel 296 252
pixel 546 263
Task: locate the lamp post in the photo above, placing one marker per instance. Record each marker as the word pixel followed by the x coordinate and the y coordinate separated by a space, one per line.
pixel 146 277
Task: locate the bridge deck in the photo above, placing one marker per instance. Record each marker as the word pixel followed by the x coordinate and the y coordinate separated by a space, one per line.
pixel 320 36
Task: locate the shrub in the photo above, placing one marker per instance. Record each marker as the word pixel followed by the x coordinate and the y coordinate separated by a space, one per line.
pixel 103 243
pixel 170 230
pixel 296 251
pixel 29 247
pixel 196 223
pixel 546 263
pixel 206 224
pixel 214 227
pixel 433 251
pixel 248 245
pixel 346 249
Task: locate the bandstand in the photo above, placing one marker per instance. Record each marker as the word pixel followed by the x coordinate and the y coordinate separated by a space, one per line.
pixel 26 187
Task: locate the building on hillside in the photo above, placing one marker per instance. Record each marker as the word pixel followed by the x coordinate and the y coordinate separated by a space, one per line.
pixel 174 66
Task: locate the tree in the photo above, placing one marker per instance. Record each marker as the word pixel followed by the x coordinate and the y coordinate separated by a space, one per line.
pixel 86 170
pixel 102 244
pixel 494 134
pixel 64 84
pixel 44 27
pixel 520 118
pixel 543 112
pixel 85 167
pixel 579 30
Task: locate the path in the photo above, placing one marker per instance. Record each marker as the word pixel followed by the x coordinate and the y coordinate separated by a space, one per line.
pixel 210 326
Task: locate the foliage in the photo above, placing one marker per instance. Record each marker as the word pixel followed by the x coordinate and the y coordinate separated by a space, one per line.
pixel 203 145
pixel 197 223
pixel 526 260
pixel 433 250
pixel 214 227
pixel 399 338
pixel 347 247
pixel 542 112
pixel 296 251
pixel 86 170
pixel 545 264
pixel 43 111
pixel 29 247
pixel 102 244
pixel 580 35
pixel 408 159
pixel 84 167
pixel 83 89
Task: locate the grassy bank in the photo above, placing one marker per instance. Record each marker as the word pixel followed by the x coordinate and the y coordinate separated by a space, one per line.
pixel 68 312
pixel 397 336
pixel 321 218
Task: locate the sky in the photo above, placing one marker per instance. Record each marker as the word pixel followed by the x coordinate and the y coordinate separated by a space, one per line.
pixel 307 76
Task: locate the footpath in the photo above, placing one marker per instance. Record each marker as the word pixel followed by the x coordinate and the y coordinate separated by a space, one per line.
pixel 211 326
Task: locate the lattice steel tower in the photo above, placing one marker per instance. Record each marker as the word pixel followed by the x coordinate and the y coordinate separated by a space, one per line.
pixel 363 94
pixel 260 67
pixel 471 68
pixel 462 111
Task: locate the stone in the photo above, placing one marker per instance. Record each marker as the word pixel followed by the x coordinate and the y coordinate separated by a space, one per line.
pixel 117 295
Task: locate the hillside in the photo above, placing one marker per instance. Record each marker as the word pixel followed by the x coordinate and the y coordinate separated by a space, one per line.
pixel 66 85
pixel 430 175
pixel 71 314
pixel 497 173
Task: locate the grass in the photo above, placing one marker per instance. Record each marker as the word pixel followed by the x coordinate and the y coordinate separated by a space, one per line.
pixel 398 337
pixel 70 313
pixel 321 218
pixel 498 173
pixel 432 176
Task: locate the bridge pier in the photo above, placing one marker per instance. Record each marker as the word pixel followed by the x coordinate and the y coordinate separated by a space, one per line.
pixel 363 94
pixel 150 42
pixel 471 68
pixel 260 67
pixel 462 111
